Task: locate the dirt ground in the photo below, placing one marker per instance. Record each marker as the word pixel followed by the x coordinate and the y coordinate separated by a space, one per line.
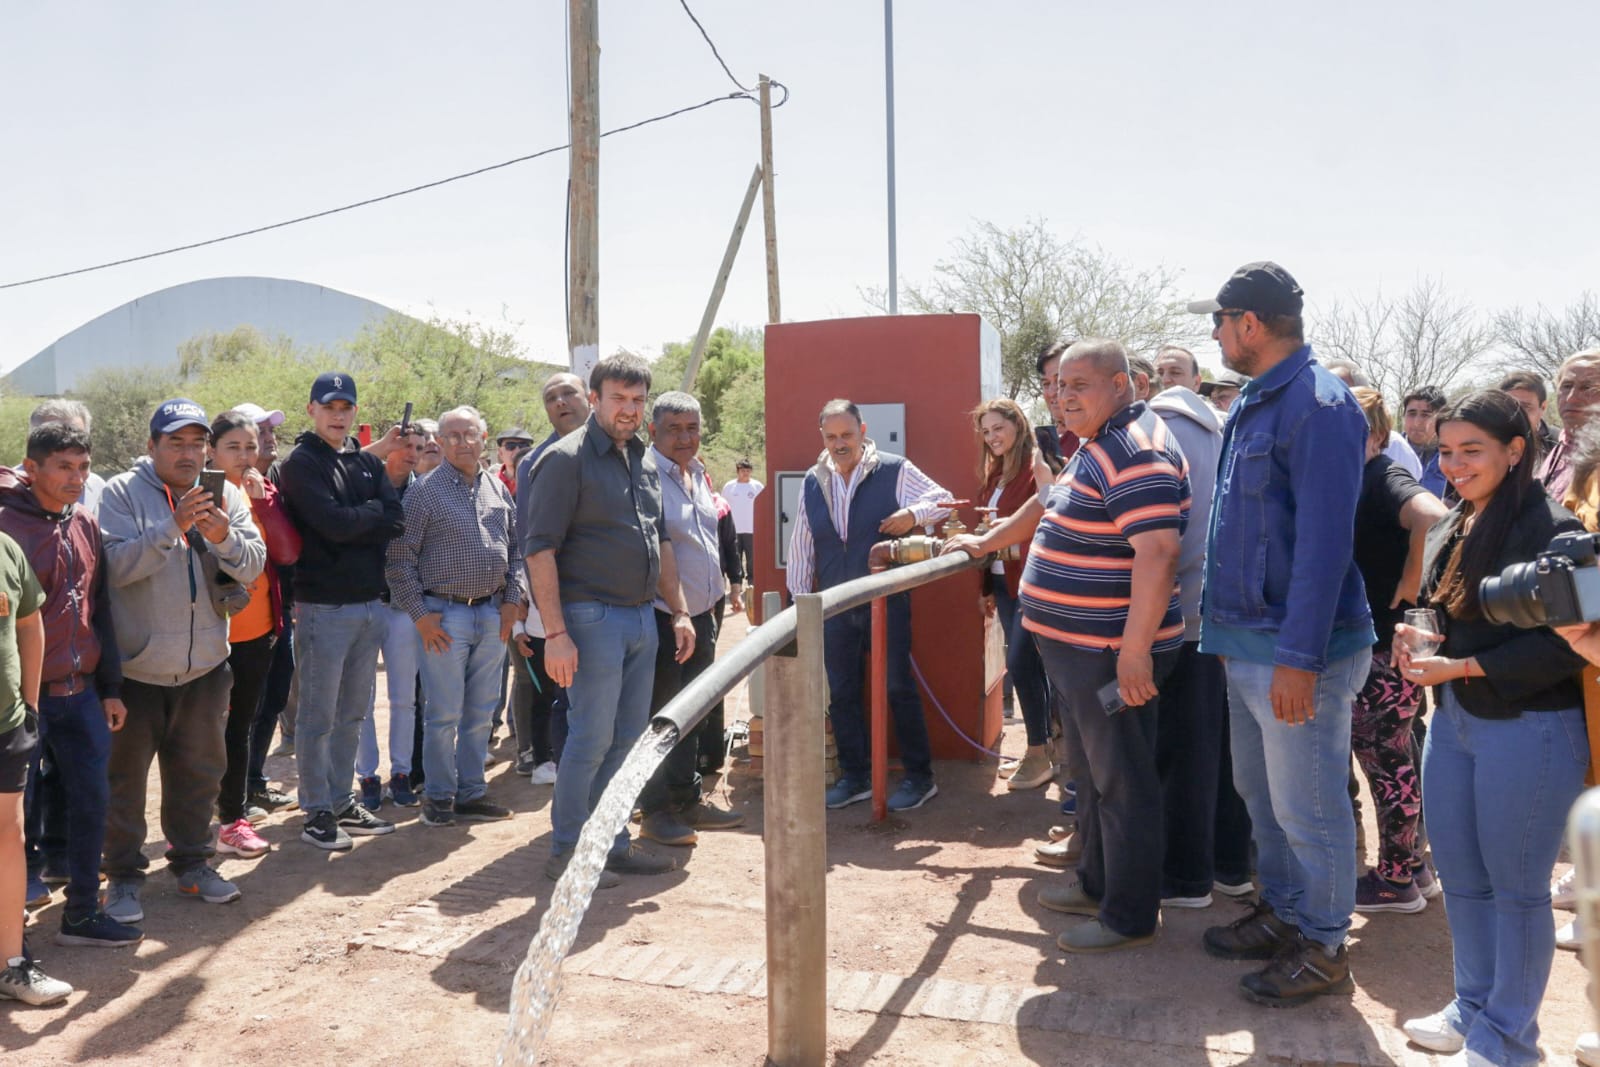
pixel 402 950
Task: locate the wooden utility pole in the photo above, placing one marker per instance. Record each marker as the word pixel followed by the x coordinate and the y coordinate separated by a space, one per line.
pixel 583 195
pixel 721 284
pixel 767 210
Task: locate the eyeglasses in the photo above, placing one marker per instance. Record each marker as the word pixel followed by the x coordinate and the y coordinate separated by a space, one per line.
pixel 470 437
pixel 1218 316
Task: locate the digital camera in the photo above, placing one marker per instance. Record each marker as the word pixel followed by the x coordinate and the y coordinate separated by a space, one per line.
pixel 1560 588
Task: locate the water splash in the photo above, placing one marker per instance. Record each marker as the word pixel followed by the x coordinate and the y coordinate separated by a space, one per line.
pixel 537 985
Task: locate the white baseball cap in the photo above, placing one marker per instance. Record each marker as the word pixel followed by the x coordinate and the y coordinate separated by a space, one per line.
pixel 258 415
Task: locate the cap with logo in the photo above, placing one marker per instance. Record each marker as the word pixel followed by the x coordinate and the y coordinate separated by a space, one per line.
pixel 1228 379
pixel 259 415
pixel 334 385
pixel 177 413
pixel 1263 287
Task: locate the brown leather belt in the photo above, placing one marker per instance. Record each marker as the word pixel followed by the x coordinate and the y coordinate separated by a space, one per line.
pixel 67 687
pixel 469 601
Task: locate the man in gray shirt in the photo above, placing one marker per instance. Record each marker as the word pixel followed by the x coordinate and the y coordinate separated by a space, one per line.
pixel 598 555
pixel 671 802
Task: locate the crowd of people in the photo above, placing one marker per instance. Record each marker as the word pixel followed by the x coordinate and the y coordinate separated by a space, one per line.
pixel 1219 597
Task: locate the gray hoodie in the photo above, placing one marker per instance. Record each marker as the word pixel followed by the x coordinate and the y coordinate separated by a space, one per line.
pixel 167 628
pixel 1199 432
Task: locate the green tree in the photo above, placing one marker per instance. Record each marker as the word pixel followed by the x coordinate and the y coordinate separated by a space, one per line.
pixel 731 388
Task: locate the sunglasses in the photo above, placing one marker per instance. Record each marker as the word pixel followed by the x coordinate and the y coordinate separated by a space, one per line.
pixel 1218 316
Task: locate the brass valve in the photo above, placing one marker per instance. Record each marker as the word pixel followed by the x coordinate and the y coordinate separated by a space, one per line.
pixel 913 549
pixel 1011 553
pixel 985 520
pixel 953 526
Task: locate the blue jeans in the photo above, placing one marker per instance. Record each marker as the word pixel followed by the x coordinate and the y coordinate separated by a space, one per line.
pixel 462 684
pixel 1023 666
pixel 1293 781
pixel 608 708
pixel 336 657
pixel 1497 792
pixel 846 641
pixel 74 738
pixel 402 654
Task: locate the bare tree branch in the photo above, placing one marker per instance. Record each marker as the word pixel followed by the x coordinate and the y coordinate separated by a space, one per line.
pixel 1540 339
pixel 1426 337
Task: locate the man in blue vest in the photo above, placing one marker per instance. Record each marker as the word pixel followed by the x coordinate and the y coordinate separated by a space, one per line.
pixel 854 497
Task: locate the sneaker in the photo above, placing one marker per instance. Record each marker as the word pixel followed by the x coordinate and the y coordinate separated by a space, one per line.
pixel 703 816
pixel 844 792
pixel 272 800
pixel 240 839
pixel 1587 1050
pixel 1034 770
pixel 666 828
pixel 1567 936
pixel 438 812
pixel 637 861
pixel 1187 902
pixel 1435 1032
pixel 1564 891
pixel 371 792
pixel 37 894
pixel 357 821
pixel 481 810
pixel 544 774
pixel 1092 936
pixel 1256 935
pixel 204 883
pixel 556 866
pixel 402 792
pixel 97 929
pixel 23 980
pixel 1426 880
pixel 1374 892
pixel 524 765
pixel 322 829
pixel 254 814
pixel 1069 805
pixel 1228 888
pixel 122 902
pixel 1299 974
pixel 1070 899
pixel 909 794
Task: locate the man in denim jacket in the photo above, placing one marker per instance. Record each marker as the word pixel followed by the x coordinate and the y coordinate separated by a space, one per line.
pixel 1285 607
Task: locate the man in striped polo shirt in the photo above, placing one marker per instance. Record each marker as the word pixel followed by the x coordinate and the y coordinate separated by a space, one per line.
pixel 1100 594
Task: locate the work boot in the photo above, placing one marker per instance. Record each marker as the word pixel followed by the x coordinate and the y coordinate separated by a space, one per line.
pixel 556 866
pixel 703 816
pixel 666 828
pixel 1302 972
pixel 1256 935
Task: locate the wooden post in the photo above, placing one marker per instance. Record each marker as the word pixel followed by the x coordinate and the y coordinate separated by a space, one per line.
pixel 717 287
pixel 796 845
pixel 583 195
pixel 767 210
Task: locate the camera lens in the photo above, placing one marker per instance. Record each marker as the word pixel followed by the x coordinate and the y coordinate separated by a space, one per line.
pixel 1512 598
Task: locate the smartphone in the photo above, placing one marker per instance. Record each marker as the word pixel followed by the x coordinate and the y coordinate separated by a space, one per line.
pixel 405 420
pixel 212 482
pixel 1111 701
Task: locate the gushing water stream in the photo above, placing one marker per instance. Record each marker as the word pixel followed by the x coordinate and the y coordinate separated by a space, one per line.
pixel 537 985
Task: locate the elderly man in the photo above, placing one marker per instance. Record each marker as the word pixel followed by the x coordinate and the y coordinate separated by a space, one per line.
pixel 1223 390
pixel 1286 609
pixel 1177 366
pixel 671 802
pixel 853 496
pixel 178 563
pixel 538 704
pixel 1100 595
pixel 599 554
pixel 1578 400
pixel 456 573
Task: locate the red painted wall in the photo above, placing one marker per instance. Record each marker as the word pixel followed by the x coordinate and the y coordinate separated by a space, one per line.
pixel 931 364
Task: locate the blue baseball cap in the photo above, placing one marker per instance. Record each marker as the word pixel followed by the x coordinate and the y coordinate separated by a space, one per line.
pixel 331 386
pixel 175 414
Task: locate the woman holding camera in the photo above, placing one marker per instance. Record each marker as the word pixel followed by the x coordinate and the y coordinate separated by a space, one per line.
pixel 1013 472
pixel 1506 753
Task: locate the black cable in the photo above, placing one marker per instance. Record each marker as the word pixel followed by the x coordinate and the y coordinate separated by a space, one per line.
pixel 721 63
pixel 369 200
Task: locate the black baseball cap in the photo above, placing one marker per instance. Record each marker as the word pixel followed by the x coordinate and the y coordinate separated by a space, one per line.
pixel 1264 287
pixel 331 386
pixel 175 414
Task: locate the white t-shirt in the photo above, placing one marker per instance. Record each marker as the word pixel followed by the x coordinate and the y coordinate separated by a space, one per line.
pixel 741 497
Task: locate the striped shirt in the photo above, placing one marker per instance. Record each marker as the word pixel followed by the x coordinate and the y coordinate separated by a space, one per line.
pixel 1128 479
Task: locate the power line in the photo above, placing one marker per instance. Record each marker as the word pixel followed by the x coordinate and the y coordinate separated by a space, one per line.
pixel 746 95
pixel 722 63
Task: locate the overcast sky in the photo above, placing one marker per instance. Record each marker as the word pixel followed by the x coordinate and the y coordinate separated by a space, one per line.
pixel 1360 144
